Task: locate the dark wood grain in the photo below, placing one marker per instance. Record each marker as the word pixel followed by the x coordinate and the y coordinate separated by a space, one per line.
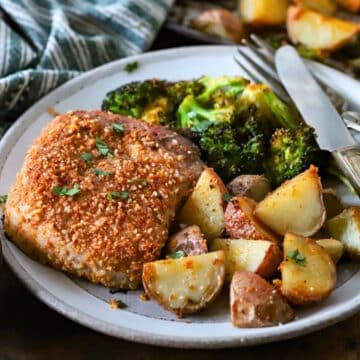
pixel 30 330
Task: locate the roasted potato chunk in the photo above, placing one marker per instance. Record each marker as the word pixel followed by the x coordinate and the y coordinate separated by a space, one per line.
pixel 189 240
pixel 296 206
pixel 221 23
pixel 333 203
pixel 258 256
pixel 308 274
pixel 255 187
pixel 206 205
pixel 345 227
pixel 317 31
pixel 327 7
pixel 263 12
pixel 333 247
pixel 240 222
pixel 185 285
pixel 256 303
pixel 350 5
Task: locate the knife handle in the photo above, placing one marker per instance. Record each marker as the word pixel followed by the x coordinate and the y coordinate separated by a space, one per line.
pixel 348 160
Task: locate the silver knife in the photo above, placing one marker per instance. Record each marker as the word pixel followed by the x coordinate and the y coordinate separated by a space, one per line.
pixel 318 112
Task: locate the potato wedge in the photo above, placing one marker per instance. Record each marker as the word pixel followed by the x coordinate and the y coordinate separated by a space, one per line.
pixel 350 5
pixel 308 274
pixel 255 187
pixel 206 205
pixel 258 256
pixel 263 12
pixel 333 203
pixel 345 227
pixel 189 240
pixel 296 206
pixel 317 31
pixel 221 23
pixel 256 303
pixel 240 222
pixel 327 7
pixel 333 247
pixel 185 285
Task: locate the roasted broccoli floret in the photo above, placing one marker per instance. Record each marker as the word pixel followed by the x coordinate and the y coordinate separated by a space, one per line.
pixel 291 152
pixel 224 150
pixel 271 111
pixel 217 102
pixel 154 101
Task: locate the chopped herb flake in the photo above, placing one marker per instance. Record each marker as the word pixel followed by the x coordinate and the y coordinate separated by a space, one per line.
pixel 227 198
pixel 64 191
pixel 102 147
pixel 123 195
pixel 136 181
pixel 99 172
pixel 176 255
pixel 130 67
pixel 299 258
pixel 117 304
pixel 3 199
pixel 86 157
pixel 118 128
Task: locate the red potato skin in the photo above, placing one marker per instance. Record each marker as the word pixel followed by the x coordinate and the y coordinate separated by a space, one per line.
pixel 255 303
pixel 190 240
pixel 240 221
pixel 271 262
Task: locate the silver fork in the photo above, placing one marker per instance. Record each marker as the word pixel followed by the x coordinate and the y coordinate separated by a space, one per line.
pixel 256 59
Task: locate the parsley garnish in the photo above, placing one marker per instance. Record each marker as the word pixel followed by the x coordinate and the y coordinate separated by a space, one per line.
pixel 123 195
pixel 136 181
pixel 176 255
pixel 86 157
pixel 64 191
pixel 227 198
pixel 102 147
pixel 299 258
pixel 118 128
pixel 3 199
pixel 99 172
pixel 130 67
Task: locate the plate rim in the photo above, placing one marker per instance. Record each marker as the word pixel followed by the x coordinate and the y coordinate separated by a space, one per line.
pixel 348 308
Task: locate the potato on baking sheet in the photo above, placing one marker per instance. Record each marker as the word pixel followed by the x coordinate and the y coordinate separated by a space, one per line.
pixel 308 274
pixel 345 227
pixel 255 187
pixel 318 31
pixel 240 222
pixel 263 12
pixel 221 23
pixel 259 256
pixel 206 205
pixel 189 240
pixel 256 303
pixel 327 7
pixel 333 247
pixel 350 5
pixel 296 206
pixel 185 285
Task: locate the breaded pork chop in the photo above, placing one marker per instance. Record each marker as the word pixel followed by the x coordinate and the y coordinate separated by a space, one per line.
pixel 97 193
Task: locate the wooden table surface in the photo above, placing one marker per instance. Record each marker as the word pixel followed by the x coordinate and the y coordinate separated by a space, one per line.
pixel 30 330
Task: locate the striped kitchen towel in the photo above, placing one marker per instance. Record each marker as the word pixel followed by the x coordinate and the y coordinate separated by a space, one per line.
pixel 44 43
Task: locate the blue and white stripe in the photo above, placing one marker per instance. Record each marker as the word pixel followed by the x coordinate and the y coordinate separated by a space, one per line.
pixel 62 39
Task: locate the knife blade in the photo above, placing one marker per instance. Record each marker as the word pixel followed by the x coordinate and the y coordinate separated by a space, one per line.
pixel 313 104
pixel 318 112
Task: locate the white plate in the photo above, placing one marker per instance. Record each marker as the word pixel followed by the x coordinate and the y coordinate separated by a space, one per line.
pixel 142 321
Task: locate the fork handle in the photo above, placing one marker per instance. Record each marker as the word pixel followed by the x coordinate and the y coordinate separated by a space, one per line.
pixel 348 159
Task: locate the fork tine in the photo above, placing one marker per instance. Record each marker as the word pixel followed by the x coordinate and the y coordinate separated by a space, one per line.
pixel 253 54
pixel 268 51
pixel 257 74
